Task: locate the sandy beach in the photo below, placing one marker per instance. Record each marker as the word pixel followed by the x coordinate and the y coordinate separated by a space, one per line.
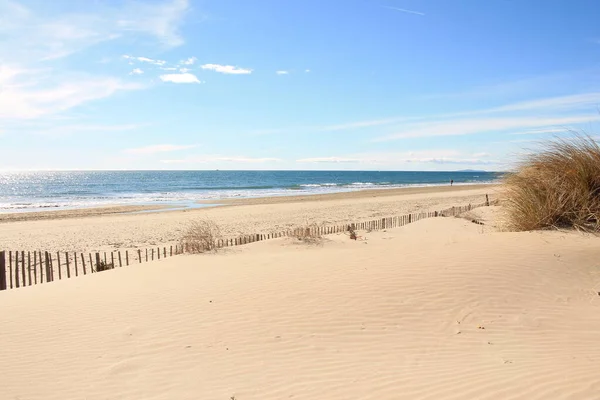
pixel 117 228
pixel 442 308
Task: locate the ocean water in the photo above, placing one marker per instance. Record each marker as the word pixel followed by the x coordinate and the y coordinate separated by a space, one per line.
pixel 30 191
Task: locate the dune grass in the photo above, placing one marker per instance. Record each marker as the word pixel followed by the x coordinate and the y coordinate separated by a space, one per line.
pixel 556 187
pixel 201 236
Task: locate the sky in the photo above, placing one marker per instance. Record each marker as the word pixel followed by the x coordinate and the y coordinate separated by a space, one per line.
pixel 293 85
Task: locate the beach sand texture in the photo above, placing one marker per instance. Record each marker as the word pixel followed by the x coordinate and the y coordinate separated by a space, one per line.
pixel 87 231
pixel 439 309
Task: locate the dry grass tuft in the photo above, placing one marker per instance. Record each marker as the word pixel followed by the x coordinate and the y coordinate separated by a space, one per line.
pixel 104 266
pixel 200 237
pixel 557 187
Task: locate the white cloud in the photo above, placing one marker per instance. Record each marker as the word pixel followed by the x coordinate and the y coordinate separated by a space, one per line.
pixel 159 148
pixel 184 70
pixel 399 159
pixel 169 68
pixel 454 127
pixel 60 129
pixel 31 36
pixel 307 70
pixel 330 160
pixel 146 60
pixel 282 72
pixel 161 20
pixel 189 61
pixel 180 78
pixel 226 69
pixel 136 71
pixel 33 86
pixel 28 94
pixel 404 10
pixel 538 131
pixel 212 159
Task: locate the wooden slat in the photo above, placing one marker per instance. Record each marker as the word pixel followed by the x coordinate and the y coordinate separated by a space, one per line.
pixel 17 269
pixel 112 258
pixel 58 262
pixel 140 255
pixel 120 262
pixel 75 260
pixel 29 268
pixel 126 257
pixel 35 267
pixel 92 263
pixel 83 263
pixel 68 265
pixel 3 283
pixel 47 262
pixel 41 267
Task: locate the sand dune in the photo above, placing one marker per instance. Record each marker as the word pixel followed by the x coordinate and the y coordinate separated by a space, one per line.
pixel 440 309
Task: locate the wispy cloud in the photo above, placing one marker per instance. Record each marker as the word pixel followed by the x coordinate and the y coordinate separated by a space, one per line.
pixel 540 131
pixel 136 71
pixel 329 160
pixel 469 126
pixel 403 10
pixel 34 86
pixel 145 60
pixel 27 94
pixel 32 36
pixel 307 71
pixel 161 20
pixel 189 61
pixel 398 159
pixel 180 78
pixel 158 148
pixel 282 72
pixel 226 69
pixel 213 159
pixel 61 129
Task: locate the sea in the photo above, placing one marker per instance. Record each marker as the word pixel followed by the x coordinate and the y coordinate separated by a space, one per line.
pixel 43 191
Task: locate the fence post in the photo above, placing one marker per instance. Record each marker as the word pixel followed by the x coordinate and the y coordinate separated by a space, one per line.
pixel 98 261
pixel 23 268
pixel 58 262
pixel 126 257
pixel 35 267
pixel 68 265
pixel 48 267
pixel 83 264
pixel 487 200
pixel 2 270
pixel 140 255
pixel 17 269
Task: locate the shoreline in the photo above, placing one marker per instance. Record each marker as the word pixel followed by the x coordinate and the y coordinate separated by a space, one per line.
pixel 120 229
pixel 121 209
pixel 356 194
pixel 116 209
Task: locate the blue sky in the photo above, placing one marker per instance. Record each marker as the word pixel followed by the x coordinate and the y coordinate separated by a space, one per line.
pixel 277 84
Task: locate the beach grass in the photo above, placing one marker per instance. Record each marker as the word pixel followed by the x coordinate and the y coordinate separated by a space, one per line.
pixel 557 186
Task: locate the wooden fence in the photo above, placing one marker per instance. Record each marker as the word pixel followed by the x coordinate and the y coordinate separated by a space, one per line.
pixel 26 268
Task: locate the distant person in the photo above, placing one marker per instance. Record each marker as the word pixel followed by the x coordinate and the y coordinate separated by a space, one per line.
pixel 451 182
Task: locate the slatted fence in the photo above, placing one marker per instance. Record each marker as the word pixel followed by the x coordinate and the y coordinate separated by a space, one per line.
pixel 25 268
